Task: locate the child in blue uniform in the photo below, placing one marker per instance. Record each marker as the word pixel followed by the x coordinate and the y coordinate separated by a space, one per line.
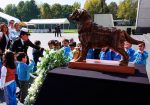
pixel 129 50
pixel 23 71
pixel 7 82
pixel 117 56
pixel 140 56
pixel 67 49
pixel 90 54
pixel 106 54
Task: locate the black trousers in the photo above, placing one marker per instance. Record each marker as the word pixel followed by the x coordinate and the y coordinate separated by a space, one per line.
pixel 1 96
pixel 24 85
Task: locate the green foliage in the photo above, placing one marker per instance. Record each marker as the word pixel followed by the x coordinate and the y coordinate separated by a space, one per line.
pixel 70 31
pixel 96 7
pixel 20 10
pixel 1 10
pixel 45 11
pixel 127 10
pixel 51 60
pixel 76 5
pixel 56 10
pixel 113 9
pixel 66 11
pixel 11 10
pixel 30 10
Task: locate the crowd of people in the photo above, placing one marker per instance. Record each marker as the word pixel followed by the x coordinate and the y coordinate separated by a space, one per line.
pixel 16 66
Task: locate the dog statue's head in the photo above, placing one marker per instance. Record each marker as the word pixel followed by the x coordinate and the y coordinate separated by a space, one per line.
pixel 80 15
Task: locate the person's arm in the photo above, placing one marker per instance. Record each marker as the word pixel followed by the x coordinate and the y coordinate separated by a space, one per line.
pixel 3 76
pixel 29 43
pixel 14 46
pixel 30 66
pixel 144 55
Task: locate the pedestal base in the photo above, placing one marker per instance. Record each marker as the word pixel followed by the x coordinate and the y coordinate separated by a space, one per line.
pixel 103 65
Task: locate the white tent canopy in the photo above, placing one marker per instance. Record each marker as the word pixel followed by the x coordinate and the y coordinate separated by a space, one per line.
pixel 8 17
pixel 49 21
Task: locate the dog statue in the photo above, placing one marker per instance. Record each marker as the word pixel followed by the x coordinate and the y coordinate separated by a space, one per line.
pixel 93 36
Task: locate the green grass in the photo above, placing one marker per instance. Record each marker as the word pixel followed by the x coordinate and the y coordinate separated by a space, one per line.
pixel 70 31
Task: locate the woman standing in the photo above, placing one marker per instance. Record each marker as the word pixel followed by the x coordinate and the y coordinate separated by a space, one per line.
pixel 8 83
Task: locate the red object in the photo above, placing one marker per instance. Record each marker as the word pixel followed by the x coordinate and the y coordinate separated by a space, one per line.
pixel 10 74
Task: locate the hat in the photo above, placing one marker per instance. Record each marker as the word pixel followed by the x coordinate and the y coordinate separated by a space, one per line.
pixel 24 31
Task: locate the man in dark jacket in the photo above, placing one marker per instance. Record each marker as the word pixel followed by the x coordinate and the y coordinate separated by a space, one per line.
pixel 22 44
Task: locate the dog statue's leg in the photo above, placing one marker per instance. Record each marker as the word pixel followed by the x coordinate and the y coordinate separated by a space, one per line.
pixel 125 60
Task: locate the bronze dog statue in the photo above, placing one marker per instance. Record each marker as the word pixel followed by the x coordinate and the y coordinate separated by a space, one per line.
pixel 93 36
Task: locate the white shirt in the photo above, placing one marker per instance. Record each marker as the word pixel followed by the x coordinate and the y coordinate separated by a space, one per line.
pixel 3 78
pixel 22 42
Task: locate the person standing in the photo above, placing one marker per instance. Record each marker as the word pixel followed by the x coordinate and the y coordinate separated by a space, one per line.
pixel 8 83
pixel 22 44
pixel 4 38
pixel 56 31
pixel 14 34
pixel 59 31
pixel 23 71
pixel 140 56
pixel 36 54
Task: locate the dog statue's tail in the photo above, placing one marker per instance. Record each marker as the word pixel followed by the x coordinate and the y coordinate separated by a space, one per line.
pixel 131 40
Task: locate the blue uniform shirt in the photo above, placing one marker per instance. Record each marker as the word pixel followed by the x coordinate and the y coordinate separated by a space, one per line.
pixel 140 58
pixel 68 52
pixel 90 54
pixel 130 52
pixel 109 55
pixel 23 70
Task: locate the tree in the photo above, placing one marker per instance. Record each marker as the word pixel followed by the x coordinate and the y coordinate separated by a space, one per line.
pixel 28 10
pixel 127 10
pixel 20 10
pixel 56 10
pixel 34 10
pixel 45 11
pixel 66 10
pixel 113 9
pixel 76 5
pixel 96 6
pixel 1 10
pixel 11 9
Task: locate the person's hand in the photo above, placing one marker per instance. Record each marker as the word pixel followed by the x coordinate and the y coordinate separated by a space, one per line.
pixel 42 49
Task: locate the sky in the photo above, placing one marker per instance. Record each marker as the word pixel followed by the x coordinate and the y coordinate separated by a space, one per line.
pixel 3 3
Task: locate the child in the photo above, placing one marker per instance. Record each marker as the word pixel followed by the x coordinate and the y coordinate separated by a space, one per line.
pixel 117 56
pixel 57 45
pixel 129 50
pixel 8 83
pixel 106 54
pixel 67 50
pixel 76 53
pixel 36 54
pixel 72 45
pixel 90 54
pixel 23 71
pixel 51 44
pixel 140 56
